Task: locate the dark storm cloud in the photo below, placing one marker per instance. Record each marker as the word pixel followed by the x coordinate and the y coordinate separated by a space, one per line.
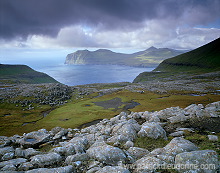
pixel 20 18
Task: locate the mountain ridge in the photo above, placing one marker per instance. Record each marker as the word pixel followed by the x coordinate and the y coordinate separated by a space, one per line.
pixel 206 57
pixel 150 57
pixel 23 74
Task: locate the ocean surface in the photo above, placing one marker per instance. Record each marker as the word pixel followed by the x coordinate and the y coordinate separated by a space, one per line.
pixel 87 74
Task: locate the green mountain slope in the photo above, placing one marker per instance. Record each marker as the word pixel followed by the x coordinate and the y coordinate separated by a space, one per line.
pixel 205 58
pixel 147 58
pixel 23 74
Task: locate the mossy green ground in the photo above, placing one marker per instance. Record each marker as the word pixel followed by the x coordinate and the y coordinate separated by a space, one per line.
pixel 78 112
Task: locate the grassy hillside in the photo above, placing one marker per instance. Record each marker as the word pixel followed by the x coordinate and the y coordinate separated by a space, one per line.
pixel 22 74
pixel 205 58
pixel 147 58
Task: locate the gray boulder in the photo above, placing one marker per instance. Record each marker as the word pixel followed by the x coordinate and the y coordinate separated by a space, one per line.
pixel 60 134
pixel 124 131
pixel 213 137
pixel 9 168
pixel 46 159
pixel 113 169
pixel 25 166
pixel 197 161
pixel 178 118
pixel 8 156
pixel 65 169
pixel 5 150
pixel 106 153
pixel 34 139
pixel 77 157
pixel 68 149
pixel 178 145
pixel 26 153
pixel 137 153
pixel 128 144
pixel 147 164
pixel 152 130
pixel 177 134
pixel 14 162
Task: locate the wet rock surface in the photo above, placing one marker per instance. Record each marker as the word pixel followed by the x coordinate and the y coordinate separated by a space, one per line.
pixel 110 144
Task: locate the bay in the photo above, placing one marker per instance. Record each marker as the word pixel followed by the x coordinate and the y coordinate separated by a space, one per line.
pixel 87 74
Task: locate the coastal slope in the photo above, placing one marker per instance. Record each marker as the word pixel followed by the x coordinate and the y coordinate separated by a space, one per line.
pixel 148 58
pixel 23 74
pixel 204 58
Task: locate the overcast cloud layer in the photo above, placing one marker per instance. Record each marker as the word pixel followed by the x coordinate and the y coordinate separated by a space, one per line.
pixel 140 24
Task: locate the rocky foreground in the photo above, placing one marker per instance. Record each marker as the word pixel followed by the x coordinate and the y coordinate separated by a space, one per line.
pixel 108 146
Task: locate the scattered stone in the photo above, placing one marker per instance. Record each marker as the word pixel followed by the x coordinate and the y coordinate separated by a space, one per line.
pixel 213 137
pixel 177 134
pixel 128 144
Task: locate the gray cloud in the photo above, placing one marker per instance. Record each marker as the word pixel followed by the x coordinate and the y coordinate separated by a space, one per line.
pixel 33 17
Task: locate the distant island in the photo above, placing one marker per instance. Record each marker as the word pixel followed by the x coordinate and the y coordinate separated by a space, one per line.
pixel 148 58
pixel 23 74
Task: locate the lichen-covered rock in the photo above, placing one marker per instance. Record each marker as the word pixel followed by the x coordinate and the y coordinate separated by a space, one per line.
pixel 79 143
pixel 106 153
pixel 137 153
pixel 152 130
pixel 124 131
pixel 178 145
pixel 65 169
pixel 60 134
pixel 8 156
pixel 178 118
pixel 68 149
pixel 25 166
pixel 46 159
pixel 197 161
pixel 8 168
pixel 14 162
pixel 77 157
pixel 26 153
pixel 5 150
pixel 113 169
pixel 169 112
pixel 147 164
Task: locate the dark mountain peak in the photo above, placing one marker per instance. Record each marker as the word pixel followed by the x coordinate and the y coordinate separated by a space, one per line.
pixel 152 48
pixel 103 50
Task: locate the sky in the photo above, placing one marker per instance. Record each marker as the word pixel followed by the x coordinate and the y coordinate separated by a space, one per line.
pixel 53 28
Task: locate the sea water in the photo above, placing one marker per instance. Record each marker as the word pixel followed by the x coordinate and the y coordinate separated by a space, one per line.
pixel 86 74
